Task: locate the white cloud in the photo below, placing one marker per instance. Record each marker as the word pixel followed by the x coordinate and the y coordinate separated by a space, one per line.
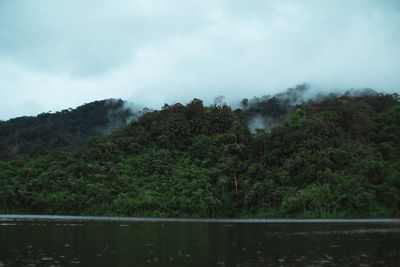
pixel 57 55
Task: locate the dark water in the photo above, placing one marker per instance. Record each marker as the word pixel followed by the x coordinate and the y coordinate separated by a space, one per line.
pixel 99 241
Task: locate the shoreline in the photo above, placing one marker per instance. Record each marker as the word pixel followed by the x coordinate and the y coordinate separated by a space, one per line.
pixel 7 217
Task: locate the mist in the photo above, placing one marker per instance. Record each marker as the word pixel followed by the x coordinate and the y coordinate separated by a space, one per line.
pixel 55 56
pixel 269 111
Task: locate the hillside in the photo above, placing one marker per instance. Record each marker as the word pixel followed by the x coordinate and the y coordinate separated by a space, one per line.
pixel 63 130
pixel 335 157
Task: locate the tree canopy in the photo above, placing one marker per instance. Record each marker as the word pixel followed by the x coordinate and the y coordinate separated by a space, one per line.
pixel 338 156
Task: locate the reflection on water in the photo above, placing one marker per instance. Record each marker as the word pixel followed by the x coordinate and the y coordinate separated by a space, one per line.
pixel 110 241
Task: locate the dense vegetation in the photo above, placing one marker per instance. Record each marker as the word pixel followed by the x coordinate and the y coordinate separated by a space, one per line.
pixel 63 130
pixel 335 157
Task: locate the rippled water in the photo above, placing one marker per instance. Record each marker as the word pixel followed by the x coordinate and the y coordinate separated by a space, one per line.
pixel 27 240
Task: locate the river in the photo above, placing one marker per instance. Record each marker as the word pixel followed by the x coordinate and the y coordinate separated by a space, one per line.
pixel 33 240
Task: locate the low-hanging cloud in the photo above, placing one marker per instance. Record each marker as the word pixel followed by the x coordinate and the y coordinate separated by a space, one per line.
pixel 57 55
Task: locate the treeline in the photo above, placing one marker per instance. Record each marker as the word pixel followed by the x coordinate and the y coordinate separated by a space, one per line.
pixel 63 130
pixel 336 157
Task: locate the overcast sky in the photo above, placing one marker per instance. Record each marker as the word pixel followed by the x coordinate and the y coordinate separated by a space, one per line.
pixel 60 54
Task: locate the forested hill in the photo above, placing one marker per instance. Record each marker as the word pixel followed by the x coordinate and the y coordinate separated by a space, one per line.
pixel 335 157
pixel 63 130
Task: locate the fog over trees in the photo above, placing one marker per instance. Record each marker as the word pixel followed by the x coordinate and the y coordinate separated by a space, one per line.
pixel 336 155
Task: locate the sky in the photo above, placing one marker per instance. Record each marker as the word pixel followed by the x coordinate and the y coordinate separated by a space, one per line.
pixel 56 55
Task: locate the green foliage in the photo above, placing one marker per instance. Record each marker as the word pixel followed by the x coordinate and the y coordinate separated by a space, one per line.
pixel 339 157
pixel 62 130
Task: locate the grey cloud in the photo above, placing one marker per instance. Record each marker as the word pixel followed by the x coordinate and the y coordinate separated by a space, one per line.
pixel 56 55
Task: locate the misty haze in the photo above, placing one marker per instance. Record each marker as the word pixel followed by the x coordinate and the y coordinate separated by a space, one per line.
pixel 55 56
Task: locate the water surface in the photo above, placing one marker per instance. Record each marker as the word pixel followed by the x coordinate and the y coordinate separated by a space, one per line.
pixel 29 240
